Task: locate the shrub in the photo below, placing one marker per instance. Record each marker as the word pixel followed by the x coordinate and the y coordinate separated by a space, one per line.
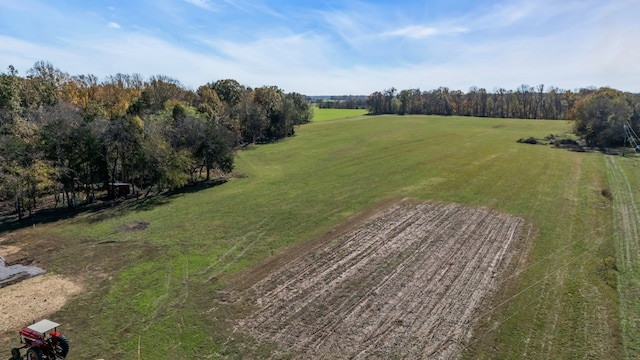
pixel 529 140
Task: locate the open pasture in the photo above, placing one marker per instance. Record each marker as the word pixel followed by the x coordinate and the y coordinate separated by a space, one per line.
pixel 175 288
pixel 320 114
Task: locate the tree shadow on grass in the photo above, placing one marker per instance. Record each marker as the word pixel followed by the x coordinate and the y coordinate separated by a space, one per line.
pixel 101 209
pixel 196 187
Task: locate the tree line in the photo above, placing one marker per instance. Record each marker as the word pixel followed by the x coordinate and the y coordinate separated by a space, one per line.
pixel 526 102
pixel 339 101
pixel 71 136
pixel 601 116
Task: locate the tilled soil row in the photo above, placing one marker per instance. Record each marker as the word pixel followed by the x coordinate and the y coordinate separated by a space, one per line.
pixel 405 284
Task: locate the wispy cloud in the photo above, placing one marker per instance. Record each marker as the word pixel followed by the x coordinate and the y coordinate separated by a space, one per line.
pixel 421 32
pixel 252 6
pixel 350 27
pixel 203 4
pixel 114 25
pixel 284 53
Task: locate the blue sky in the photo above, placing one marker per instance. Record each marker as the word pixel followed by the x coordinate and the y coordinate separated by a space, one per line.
pixel 333 47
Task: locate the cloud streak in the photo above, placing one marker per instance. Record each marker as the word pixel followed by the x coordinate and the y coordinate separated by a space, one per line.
pixel 421 32
pixel 203 4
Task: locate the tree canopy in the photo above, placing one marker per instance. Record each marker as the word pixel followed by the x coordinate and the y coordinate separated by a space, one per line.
pixel 72 135
pixel 601 116
pixel 525 102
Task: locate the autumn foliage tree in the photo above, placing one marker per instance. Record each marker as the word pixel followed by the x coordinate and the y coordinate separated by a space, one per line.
pixel 601 116
pixel 525 102
pixel 70 136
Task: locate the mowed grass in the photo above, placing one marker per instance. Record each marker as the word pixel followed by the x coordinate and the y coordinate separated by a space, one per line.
pixel 166 296
pixel 334 114
pixel 624 182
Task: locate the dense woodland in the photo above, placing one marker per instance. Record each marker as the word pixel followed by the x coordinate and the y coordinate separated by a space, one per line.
pixel 70 136
pixel 526 102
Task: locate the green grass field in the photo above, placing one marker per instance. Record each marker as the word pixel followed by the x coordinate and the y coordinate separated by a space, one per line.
pixel 335 114
pixel 159 293
pixel 624 183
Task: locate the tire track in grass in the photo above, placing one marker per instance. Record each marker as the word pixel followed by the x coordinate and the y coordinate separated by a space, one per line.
pixel 627 237
pixel 547 308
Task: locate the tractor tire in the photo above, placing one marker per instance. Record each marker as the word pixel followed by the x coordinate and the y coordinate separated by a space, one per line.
pixel 63 346
pixel 15 354
pixel 34 354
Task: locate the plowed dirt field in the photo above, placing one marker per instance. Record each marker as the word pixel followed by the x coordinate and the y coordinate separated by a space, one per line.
pixel 406 283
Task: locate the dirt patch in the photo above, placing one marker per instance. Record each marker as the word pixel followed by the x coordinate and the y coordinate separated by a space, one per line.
pixel 134 226
pixel 15 273
pixel 405 284
pixel 76 263
pixel 6 250
pixel 34 299
pixel 15 270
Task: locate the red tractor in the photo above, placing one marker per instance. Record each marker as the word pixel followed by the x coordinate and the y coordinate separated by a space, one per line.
pixel 42 341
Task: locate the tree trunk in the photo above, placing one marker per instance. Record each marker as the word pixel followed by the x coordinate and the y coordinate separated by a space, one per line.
pixel 18 206
pixel 112 193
